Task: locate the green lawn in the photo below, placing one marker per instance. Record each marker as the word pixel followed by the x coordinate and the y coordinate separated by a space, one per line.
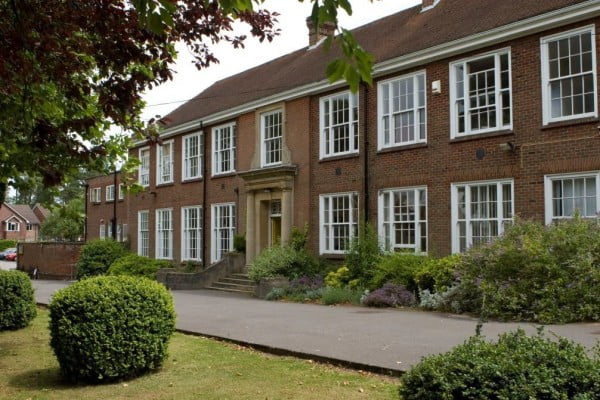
pixel 197 368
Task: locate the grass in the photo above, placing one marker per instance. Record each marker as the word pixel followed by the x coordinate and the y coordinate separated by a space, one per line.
pixel 197 368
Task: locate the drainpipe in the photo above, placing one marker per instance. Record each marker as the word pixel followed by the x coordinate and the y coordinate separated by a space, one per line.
pixel 114 219
pixel 204 213
pixel 366 150
pixel 85 212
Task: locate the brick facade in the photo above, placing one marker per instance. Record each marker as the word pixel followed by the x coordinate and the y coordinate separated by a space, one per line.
pixel 540 150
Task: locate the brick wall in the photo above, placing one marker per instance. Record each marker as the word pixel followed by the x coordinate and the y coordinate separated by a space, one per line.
pixel 53 260
pixel 102 213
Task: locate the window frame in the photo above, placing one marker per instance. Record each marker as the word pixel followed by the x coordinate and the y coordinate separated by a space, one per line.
pixel 216 132
pixel 102 233
pixel 381 145
pixel 159 162
pixel 354 138
pixel 214 248
pixel 110 193
pixel 121 191
pixel 389 245
pixel 497 94
pixel 184 158
pixel 96 195
pixel 263 139
pixel 140 239
pixel 142 171
pixel 159 255
pixel 13 226
pixel 455 238
pixel 327 248
pixel 548 194
pixel 184 247
pixel 545 74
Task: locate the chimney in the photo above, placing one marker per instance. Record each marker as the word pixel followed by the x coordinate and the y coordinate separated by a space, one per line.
pixel 315 35
pixel 429 4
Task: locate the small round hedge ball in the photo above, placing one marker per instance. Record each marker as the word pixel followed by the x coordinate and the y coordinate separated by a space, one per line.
pixel 17 304
pixel 109 328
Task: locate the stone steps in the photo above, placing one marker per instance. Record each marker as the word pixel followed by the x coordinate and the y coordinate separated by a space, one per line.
pixel 235 283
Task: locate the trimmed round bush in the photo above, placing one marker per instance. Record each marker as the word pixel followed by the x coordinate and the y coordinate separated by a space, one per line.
pixel 111 327
pixel 17 304
pixel 134 265
pixel 517 367
pixel 97 256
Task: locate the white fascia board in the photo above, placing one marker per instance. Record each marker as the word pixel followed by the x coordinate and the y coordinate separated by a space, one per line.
pixel 563 16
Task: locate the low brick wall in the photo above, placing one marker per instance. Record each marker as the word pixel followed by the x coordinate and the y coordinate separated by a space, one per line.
pixel 53 260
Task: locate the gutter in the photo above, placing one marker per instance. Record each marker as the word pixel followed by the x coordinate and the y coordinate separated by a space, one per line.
pixel 538 23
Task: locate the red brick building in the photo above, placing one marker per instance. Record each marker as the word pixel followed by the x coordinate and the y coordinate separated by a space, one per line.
pixel 480 111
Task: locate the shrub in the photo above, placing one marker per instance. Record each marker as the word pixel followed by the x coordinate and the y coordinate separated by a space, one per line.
pixel 398 268
pixel 546 274
pixel 340 278
pixel 17 304
pixel 239 243
pixel 7 243
pixel 363 255
pixel 306 283
pixel 97 256
pixel 438 274
pixel 516 367
pixel 108 328
pixel 390 295
pixel 331 295
pixel 283 261
pixel 275 294
pixel 134 265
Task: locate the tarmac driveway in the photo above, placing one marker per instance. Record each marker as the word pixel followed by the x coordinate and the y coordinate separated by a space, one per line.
pixel 375 339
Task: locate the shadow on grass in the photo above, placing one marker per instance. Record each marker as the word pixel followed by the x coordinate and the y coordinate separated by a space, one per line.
pixel 40 379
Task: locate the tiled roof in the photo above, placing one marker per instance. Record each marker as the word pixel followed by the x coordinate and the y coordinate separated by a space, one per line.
pixel 399 34
pixel 24 211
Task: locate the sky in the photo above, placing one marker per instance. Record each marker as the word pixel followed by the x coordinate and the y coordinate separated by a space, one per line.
pixel 189 81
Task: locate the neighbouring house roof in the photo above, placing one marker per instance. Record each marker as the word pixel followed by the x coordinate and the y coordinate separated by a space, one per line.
pixel 397 35
pixel 44 212
pixel 25 212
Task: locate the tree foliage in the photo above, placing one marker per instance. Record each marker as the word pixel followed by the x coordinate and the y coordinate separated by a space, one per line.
pixel 72 70
pixel 66 223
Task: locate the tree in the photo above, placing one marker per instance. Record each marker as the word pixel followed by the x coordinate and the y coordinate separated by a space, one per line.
pixel 72 70
pixel 66 223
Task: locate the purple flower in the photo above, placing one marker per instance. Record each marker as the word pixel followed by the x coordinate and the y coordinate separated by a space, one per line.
pixel 390 295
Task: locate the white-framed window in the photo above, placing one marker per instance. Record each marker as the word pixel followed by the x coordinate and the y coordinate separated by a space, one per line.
pixel 271 137
pixel 402 111
pixel 29 227
pixel 568 194
pixel 109 229
pixel 191 233
pixel 12 226
pixel 119 233
pixel 569 75
pixel 144 171
pixel 102 231
pixel 164 163
pixel 403 219
pixel 164 233
pixel 339 124
pixel 338 220
pixel 481 94
pixel 121 191
pixel 110 193
pixel 124 232
pixel 144 233
pixel 191 154
pixel 223 230
pixel 223 161
pixel 96 195
pixel 480 212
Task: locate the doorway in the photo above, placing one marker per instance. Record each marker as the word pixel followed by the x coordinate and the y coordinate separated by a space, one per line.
pixel 274 223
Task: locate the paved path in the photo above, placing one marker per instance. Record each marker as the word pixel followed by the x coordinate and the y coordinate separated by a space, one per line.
pixel 7 265
pixel 370 338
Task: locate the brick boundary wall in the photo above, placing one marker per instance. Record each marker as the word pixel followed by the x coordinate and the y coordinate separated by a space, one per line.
pixel 56 261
